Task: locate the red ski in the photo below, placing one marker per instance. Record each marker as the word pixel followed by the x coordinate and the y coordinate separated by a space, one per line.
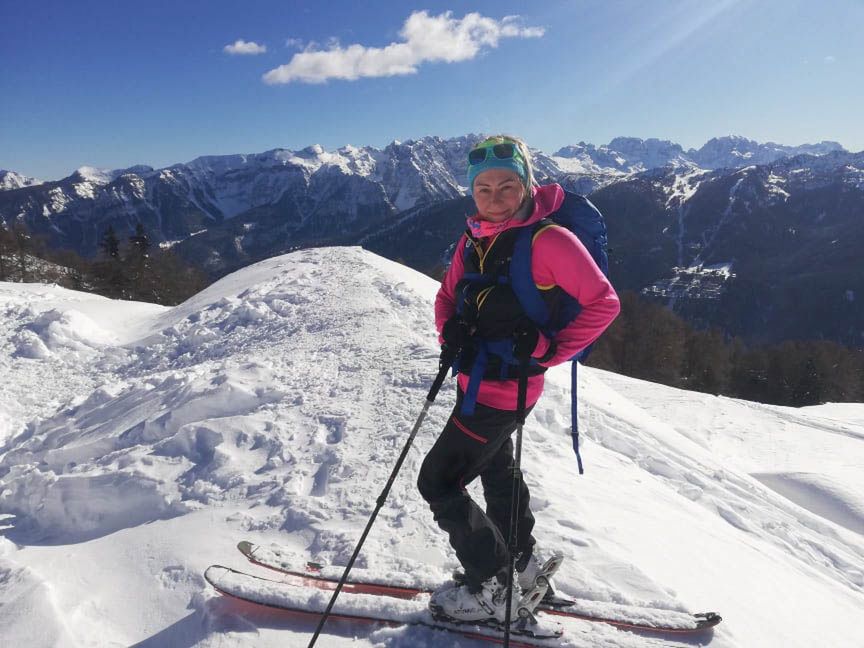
pixel 621 616
pixel 296 600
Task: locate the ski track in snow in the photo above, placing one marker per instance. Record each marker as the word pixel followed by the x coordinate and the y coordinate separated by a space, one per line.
pixel 138 444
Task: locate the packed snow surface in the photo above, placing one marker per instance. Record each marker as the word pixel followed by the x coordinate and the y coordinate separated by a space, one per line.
pixel 139 444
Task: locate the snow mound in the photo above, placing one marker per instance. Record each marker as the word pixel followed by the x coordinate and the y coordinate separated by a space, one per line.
pixel 821 495
pixel 54 331
pixel 58 344
pixel 73 508
pixel 120 459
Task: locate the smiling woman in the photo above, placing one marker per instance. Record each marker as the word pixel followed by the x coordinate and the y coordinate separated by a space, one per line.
pixel 502 354
pixel 500 177
pixel 498 194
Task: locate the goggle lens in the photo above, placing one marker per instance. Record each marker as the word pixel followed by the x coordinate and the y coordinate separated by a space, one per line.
pixel 503 151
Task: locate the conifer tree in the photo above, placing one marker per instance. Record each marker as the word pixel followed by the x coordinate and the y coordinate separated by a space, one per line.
pixel 707 364
pixel 7 247
pixel 23 245
pixel 109 272
pixel 138 263
pixel 110 244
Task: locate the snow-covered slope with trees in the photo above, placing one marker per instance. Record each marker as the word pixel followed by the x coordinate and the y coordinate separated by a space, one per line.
pixel 139 444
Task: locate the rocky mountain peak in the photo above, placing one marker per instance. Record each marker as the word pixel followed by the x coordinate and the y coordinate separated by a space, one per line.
pixel 12 180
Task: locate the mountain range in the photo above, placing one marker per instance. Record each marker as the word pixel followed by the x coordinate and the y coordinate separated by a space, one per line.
pixel 736 234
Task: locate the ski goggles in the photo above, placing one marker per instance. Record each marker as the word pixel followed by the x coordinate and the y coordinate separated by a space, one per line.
pixel 502 151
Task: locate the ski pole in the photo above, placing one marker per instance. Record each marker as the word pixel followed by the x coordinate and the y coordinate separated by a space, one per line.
pixel 446 361
pixel 521 399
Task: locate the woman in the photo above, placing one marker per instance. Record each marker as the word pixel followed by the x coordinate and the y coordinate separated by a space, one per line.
pixel 471 307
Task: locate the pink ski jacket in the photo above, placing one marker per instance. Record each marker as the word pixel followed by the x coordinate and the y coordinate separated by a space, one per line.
pixel 558 258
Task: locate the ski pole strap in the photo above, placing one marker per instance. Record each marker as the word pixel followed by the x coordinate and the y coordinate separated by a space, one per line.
pixel 574 413
pixel 522 394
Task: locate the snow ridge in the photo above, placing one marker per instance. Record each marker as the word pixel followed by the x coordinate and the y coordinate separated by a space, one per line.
pixel 272 405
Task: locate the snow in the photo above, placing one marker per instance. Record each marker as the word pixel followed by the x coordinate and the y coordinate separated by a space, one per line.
pixel 58 201
pixel 96 176
pixel 726 216
pixel 576 165
pixel 141 443
pixel 12 180
pixel 685 187
pixel 775 187
pixel 85 190
pixel 722 270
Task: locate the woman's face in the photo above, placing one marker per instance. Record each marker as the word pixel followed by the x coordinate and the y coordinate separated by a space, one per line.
pixel 498 194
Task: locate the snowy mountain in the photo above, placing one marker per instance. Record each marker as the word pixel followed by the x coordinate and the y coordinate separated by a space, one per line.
pixel 288 199
pixel 624 154
pixel 627 155
pixel 735 204
pixel 12 180
pixel 746 250
pixel 292 198
pixel 734 152
pixel 140 443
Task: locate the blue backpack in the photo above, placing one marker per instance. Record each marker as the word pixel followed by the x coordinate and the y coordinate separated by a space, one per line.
pixel 578 215
pixel 582 218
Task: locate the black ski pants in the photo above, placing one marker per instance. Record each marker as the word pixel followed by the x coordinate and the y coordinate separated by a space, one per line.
pixel 471 447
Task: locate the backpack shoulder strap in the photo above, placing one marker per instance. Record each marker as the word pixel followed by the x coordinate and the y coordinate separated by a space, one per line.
pixel 521 279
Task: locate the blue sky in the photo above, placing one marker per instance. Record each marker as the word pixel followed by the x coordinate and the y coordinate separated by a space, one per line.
pixel 111 84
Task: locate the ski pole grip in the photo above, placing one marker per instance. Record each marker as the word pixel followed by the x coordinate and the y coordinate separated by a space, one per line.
pixel 448 356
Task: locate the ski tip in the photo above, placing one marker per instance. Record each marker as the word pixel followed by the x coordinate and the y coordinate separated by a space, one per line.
pixel 246 547
pixel 707 619
pixel 212 573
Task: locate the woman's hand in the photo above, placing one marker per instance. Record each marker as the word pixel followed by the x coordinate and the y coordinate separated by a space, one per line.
pixel 456 333
pixel 525 341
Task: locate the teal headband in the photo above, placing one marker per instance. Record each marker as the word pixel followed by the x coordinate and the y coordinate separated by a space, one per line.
pixel 515 164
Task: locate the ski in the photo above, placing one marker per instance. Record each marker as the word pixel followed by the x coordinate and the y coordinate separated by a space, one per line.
pixel 527 632
pixel 646 620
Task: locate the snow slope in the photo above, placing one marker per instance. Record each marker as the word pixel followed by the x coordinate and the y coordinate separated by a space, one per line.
pixel 139 444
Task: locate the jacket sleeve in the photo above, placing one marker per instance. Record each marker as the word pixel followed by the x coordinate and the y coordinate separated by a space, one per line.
pixel 445 300
pixel 559 258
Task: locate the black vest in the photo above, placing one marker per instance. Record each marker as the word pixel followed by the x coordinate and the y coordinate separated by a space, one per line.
pixel 486 300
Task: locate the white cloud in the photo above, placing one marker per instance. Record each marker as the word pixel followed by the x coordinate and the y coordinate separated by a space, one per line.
pixel 830 59
pixel 294 43
pixel 425 39
pixel 242 47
